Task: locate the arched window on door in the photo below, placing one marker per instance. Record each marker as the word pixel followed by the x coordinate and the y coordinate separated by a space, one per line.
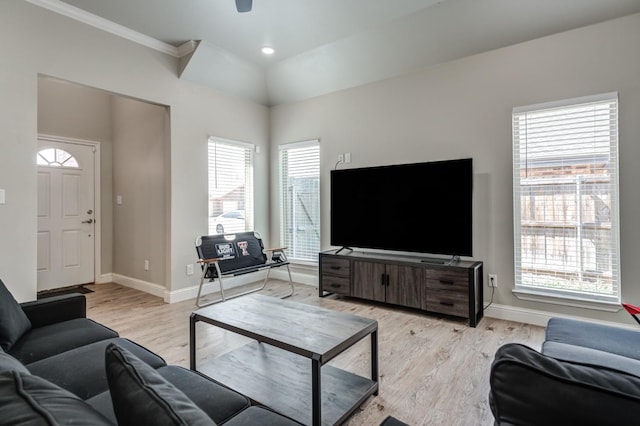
pixel 55 157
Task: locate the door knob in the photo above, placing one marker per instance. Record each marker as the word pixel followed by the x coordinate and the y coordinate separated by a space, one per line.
pixel 88 221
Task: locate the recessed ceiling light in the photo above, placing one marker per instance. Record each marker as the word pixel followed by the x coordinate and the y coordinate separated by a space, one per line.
pixel 268 50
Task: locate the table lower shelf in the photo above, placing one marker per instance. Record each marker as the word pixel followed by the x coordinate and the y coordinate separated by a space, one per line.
pixel 282 380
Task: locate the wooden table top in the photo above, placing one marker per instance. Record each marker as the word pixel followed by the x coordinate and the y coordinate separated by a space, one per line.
pixel 306 330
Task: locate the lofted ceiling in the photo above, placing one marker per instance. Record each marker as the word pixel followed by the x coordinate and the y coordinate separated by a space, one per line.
pixel 322 46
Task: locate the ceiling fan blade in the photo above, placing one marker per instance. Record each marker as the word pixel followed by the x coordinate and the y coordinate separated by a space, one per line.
pixel 243 5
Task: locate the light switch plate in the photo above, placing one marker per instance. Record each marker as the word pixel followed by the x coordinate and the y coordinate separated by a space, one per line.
pixel 1 196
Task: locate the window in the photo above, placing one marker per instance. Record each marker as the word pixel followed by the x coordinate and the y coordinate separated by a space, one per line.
pixel 565 158
pixel 230 186
pixel 300 200
pixel 55 157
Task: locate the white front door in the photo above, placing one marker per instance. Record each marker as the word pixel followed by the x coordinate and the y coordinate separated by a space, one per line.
pixel 66 218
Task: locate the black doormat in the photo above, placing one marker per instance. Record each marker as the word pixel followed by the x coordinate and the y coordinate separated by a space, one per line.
pixel 66 290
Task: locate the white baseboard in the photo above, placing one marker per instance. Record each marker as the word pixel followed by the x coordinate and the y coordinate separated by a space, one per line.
pixel 535 317
pixel 511 313
pixel 231 282
pixel 147 287
pixel 104 278
pixel 209 287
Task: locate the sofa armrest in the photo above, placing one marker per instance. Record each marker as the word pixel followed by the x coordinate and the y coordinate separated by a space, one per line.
pixel 51 310
pixel 530 388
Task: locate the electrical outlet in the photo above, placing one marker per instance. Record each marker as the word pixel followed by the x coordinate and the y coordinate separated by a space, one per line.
pixel 340 158
pixel 347 157
pixel 190 269
pixel 493 280
pixel 146 264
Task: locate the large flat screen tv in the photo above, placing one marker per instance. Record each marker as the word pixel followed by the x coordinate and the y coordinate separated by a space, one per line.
pixel 420 207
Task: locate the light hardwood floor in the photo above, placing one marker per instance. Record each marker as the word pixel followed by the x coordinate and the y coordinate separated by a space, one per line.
pixel 433 371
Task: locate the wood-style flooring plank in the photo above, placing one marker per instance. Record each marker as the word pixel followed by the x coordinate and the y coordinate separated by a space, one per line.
pixel 433 370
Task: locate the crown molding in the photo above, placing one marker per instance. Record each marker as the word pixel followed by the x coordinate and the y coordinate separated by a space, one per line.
pixel 187 47
pixel 85 17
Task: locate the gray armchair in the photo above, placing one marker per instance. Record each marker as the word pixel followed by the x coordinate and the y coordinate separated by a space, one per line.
pixel 586 373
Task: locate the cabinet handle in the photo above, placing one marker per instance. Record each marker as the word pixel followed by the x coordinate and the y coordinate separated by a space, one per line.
pixel 446 282
pixel 334 267
pixel 446 303
pixel 382 280
pixel 334 285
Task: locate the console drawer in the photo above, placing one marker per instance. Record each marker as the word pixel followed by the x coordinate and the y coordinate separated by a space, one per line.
pixel 448 281
pixel 448 302
pixel 336 284
pixel 336 266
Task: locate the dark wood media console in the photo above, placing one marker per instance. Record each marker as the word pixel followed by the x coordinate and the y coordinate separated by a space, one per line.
pixel 454 289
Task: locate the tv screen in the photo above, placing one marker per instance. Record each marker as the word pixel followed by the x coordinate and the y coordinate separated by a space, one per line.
pixel 420 207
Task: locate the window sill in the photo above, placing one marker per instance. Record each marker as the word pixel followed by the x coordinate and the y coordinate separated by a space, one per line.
pixel 576 302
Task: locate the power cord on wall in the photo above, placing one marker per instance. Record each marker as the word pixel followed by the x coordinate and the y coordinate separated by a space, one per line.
pixel 493 290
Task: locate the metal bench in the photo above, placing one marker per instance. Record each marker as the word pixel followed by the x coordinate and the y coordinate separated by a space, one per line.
pixel 229 255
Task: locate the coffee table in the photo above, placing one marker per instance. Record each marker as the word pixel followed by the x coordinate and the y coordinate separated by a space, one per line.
pixel 285 366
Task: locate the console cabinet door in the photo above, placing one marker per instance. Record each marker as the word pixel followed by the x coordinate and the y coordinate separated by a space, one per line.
pixel 406 285
pixel 369 279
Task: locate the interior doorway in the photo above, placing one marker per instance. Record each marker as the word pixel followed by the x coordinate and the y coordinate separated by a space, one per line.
pixel 67 192
pixel 132 178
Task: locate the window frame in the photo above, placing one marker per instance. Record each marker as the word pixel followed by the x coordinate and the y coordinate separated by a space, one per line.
pixel 311 259
pixel 248 201
pixel 564 295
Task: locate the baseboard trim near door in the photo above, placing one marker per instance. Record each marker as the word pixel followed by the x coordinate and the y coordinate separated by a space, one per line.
pixel 191 292
pixel 145 286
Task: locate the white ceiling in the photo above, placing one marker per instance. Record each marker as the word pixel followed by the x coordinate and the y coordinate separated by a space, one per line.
pixel 328 45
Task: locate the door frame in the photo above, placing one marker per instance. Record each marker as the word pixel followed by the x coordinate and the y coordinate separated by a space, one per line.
pixel 97 229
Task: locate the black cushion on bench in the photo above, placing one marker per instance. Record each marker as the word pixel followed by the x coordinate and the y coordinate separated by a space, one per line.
pixel 43 342
pixel 70 369
pixel 243 253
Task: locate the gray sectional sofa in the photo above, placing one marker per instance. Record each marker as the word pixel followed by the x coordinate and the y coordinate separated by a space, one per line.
pixel 59 367
pixel 585 374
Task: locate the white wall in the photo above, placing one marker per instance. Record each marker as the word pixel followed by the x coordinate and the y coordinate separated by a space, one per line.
pixel 459 109
pixel 463 109
pixel 139 171
pixel 36 41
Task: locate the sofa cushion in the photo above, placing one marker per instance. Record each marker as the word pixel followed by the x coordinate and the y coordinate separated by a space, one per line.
pixel 582 355
pixel 13 321
pixel 82 371
pixel 529 388
pixel 43 342
pixel 618 340
pixel 102 404
pixel 260 416
pixel 30 400
pixel 9 363
pixel 392 421
pixel 219 402
pixel 141 395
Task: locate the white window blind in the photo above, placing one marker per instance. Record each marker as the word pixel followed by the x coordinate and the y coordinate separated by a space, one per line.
pixel 566 198
pixel 300 200
pixel 230 186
